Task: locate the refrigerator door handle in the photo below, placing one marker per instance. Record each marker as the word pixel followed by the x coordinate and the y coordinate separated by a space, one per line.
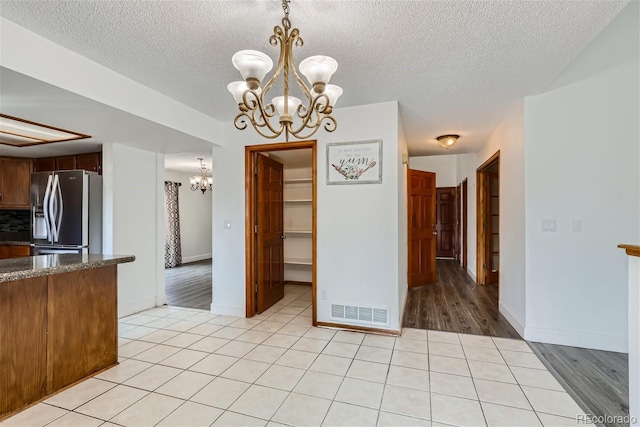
pixel 53 209
pixel 46 209
pixel 59 205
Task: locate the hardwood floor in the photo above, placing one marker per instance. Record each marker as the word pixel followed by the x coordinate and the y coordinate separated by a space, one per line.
pixel 189 285
pixel 456 304
pixel 597 380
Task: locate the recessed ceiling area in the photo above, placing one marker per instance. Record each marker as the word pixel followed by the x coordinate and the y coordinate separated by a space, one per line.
pixel 31 99
pixel 455 67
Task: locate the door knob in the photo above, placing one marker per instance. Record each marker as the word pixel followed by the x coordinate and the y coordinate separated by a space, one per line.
pixel 283 237
pixel 434 233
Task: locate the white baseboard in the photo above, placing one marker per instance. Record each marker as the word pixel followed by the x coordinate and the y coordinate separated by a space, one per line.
pixel 577 339
pixel 472 274
pixel 186 260
pixel 227 310
pixel 128 308
pixel 161 300
pixel 519 327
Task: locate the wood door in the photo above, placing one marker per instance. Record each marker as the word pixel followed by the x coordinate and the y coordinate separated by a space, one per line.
pixel 16 179
pixel 492 239
pixel 270 233
pixel 456 230
pixel 445 221
pixel 422 228
pixel 65 163
pixel 464 200
pixel 89 162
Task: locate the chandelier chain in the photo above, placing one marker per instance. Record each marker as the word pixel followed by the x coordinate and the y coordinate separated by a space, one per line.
pixel 285 7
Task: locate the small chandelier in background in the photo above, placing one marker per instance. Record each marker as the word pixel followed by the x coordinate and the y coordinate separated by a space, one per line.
pixel 447 141
pixel 202 182
pixel 295 118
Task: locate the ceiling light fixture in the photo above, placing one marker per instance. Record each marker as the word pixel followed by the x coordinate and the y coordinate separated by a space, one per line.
pixel 295 118
pixel 202 182
pixel 18 132
pixel 447 141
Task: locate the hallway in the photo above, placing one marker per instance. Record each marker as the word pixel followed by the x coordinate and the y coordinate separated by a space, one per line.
pixel 456 304
pixel 189 285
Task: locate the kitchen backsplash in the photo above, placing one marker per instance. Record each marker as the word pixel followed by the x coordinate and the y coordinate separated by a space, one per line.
pixel 12 221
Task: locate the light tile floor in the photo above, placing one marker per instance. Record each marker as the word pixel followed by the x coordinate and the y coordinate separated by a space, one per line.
pixel 184 367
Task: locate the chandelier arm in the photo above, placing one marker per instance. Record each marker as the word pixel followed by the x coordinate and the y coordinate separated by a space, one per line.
pixel 330 126
pixel 317 111
pixel 299 80
pixel 265 113
pixel 277 38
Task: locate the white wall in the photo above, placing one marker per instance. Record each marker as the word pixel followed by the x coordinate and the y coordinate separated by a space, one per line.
pixel 195 219
pixel 357 252
pixel 403 222
pixel 444 166
pixel 133 224
pixel 509 139
pixel 582 163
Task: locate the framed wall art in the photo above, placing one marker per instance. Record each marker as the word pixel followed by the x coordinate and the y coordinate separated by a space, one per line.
pixel 354 162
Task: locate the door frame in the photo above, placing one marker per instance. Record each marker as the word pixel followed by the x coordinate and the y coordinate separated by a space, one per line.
pixel 481 213
pixel 250 163
pixel 464 198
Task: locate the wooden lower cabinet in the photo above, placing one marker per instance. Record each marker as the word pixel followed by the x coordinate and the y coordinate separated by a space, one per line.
pixel 14 251
pixel 23 343
pixel 82 321
pixel 56 330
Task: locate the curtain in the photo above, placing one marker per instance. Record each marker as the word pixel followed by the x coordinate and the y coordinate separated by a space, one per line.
pixel 172 246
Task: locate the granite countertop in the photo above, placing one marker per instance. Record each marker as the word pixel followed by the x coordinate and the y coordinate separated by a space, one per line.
pixel 14 243
pixel 44 265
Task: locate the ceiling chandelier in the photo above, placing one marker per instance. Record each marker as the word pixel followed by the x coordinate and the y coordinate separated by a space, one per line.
pixel 295 118
pixel 202 182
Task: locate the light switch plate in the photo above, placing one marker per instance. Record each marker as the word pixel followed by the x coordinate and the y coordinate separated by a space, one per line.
pixel 549 225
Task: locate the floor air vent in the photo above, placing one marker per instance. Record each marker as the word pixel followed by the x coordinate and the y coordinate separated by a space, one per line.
pixel 354 313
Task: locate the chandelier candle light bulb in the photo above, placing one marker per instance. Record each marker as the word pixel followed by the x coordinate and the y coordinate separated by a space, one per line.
pixel 295 117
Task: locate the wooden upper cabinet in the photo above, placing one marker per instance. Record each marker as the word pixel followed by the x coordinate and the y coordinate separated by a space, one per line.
pixel 46 164
pixel 89 162
pixel 65 163
pixel 15 181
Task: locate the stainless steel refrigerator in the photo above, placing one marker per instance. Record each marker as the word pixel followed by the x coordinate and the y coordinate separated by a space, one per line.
pixel 66 212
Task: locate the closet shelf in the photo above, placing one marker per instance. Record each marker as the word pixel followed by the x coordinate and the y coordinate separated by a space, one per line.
pixel 298 181
pixel 293 232
pixel 298 201
pixel 298 261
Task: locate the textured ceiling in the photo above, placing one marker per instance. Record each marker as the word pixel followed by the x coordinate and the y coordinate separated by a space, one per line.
pixel 454 66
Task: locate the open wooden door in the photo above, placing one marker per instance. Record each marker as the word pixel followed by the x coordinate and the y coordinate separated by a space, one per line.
pixel 269 233
pixel 488 221
pixel 492 240
pixel 422 228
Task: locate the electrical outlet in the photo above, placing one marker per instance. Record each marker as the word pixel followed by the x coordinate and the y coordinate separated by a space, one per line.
pixel 323 295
